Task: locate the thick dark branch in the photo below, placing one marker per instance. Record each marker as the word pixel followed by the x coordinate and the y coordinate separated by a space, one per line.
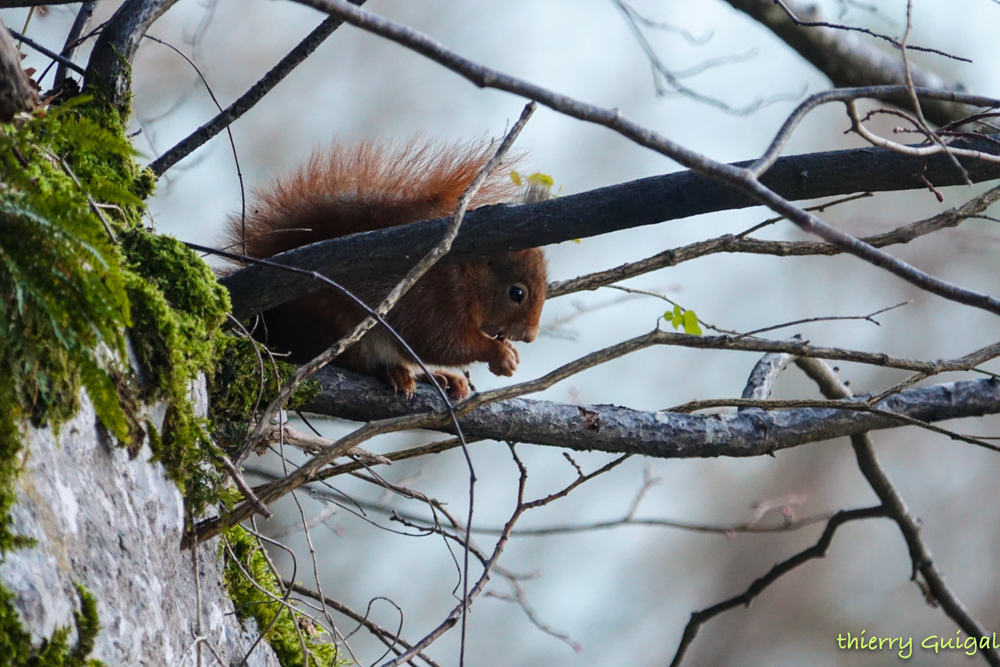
pixel 847 60
pixel 16 93
pixel 110 67
pixel 745 244
pixel 496 229
pixel 256 93
pixel 660 434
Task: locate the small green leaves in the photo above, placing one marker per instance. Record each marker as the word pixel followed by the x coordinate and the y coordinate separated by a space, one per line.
pixel 686 318
pixel 536 180
pixel 541 179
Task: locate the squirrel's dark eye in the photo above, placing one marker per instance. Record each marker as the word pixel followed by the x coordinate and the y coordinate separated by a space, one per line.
pixel 516 293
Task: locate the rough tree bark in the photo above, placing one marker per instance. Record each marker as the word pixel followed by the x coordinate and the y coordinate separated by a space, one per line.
pixel 16 91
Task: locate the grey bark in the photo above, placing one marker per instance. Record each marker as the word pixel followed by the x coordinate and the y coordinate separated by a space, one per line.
pixel 110 65
pixel 615 429
pixel 16 92
pixel 6 4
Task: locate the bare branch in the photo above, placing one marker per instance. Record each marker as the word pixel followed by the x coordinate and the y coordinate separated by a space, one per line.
pixel 659 434
pixel 608 428
pixel 250 98
pixel 109 69
pixel 740 243
pixel 844 58
pixel 920 555
pixel 754 525
pixel 818 550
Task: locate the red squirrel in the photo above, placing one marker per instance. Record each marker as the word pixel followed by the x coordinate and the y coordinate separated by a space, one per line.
pixel 456 314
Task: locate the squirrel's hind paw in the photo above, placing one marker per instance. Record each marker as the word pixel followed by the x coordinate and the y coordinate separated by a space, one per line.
pixel 400 378
pixel 455 383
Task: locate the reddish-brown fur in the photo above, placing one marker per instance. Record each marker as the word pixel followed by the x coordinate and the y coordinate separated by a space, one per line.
pixel 455 315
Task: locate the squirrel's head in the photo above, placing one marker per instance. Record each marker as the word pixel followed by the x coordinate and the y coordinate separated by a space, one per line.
pixel 516 293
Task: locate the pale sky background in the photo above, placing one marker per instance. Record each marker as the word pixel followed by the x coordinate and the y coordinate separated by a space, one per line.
pixel 624 594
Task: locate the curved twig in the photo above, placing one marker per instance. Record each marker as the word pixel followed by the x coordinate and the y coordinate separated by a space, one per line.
pixel 818 550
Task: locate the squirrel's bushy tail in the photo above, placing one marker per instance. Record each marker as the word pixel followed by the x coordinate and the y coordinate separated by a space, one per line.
pixel 353 188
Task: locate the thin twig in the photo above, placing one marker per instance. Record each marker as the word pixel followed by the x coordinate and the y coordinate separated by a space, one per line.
pixel 385 636
pixel 46 52
pixel 248 494
pixel 247 101
pixel 818 550
pixel 891 40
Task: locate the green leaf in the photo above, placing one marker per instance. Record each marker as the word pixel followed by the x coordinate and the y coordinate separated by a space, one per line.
pixel 541 179
pixel 691 323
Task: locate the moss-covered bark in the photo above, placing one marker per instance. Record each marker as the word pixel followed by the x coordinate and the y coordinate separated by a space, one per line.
pixel 84 288
pixel 79 274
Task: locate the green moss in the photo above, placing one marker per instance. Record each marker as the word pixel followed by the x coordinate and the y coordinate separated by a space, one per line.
pixel 178 309
pixel 252 602
pixel 72 288
pixel 56 650
pixel 63 304
pixel 247 380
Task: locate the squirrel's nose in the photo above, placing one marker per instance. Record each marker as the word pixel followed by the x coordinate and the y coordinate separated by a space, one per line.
pixel 530 334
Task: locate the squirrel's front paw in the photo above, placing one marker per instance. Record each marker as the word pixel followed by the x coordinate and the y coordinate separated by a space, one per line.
pixel 506 360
